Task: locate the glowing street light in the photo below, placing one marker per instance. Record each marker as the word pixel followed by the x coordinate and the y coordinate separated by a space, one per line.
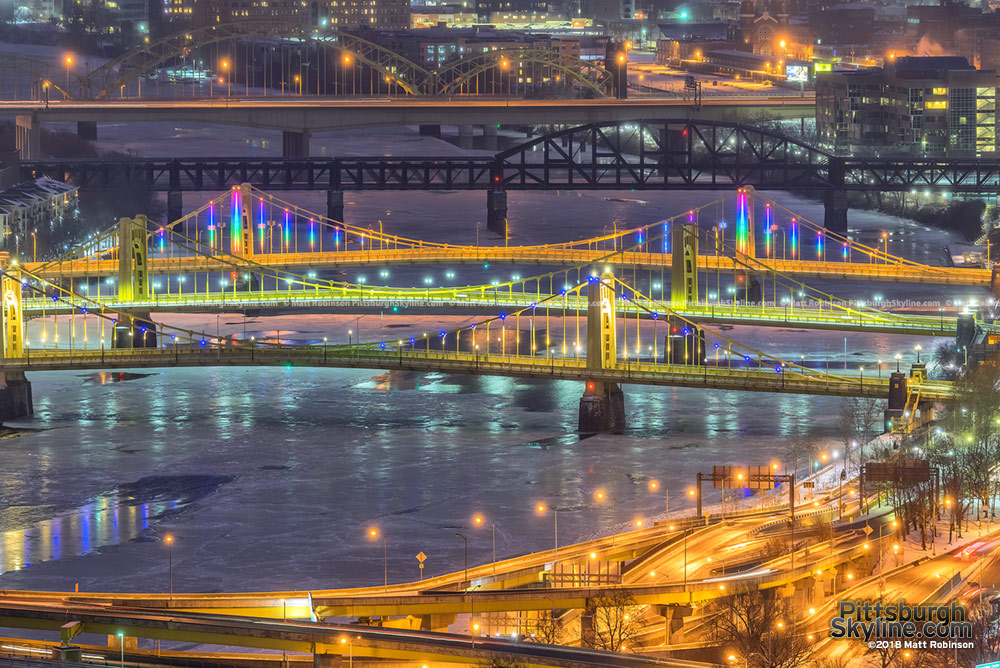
pixel 479 521
pixel 541 509
pixel 373 534
pixel 169 540
pixel 653 486
pixel 601 496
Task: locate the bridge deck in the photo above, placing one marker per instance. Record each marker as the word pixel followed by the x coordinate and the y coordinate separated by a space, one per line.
pixel 756 378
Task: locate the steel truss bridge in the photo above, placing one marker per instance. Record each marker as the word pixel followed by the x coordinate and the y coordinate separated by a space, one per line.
pixel 396 73
pixel 633 155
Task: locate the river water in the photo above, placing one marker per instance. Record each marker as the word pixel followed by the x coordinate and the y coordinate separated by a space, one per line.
pixel 270 478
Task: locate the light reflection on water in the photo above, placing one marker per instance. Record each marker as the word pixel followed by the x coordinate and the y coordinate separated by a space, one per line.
pixel 119 516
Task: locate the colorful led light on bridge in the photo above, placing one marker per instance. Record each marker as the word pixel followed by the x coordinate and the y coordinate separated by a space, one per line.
pixel 211 225
pixel 819 245
pixel 767 230
pixel 234 223
pixel 794 235
pixel 666 237
pixel 742 221
pixel 312 233
pixel 261 225
pixel 845 252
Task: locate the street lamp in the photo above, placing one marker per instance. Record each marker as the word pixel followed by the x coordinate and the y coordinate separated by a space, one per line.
pixel 373 533
pixel 600 497
pixel 350 649
pixel 69 62
pixel 540 509
pixel 478 521
pixel 898 357
pixel 229 79
pixel 653 486
pixel 918 348
pixel 121 644
pixel 466 539
pixel 170 557
pixel 298 80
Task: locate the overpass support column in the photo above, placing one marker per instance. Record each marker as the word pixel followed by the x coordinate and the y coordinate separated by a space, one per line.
pixel 175 205
pixel 15 396
pixel 835 211
pixel 602 407
pixel 995 282
pixel 327 660
pixel 28 138
pixel 335 205
pixel 673 616
pixel 86 130
pixel 465 139
pixel 496 212
pixel 490 140
pixel 431 131
pixel 295 144
pixel 898 389
pixel 965 331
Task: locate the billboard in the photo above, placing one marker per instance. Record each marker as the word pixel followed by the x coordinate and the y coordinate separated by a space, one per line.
pixel 797 73
pixel 823 67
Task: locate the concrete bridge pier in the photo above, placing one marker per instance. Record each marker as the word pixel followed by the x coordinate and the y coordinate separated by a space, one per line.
pixel 431 131
pixel 86 130
pixel 295 144
pixel 965 330
pixel 335 205
pixel 898 387
pixel 28 136
pixel 175 205
pixel 465 138
pixel 673 617
pixel 496 212
pixel 15 396
pixel 327 660
pixel 491 142
pixel 602 408
pixel 134 331
pixel 835 211
pixel 437 622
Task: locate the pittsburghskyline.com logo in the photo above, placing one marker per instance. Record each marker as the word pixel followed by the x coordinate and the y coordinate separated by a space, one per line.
pixel 899 624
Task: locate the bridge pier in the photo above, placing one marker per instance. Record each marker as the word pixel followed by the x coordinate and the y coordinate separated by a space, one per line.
pixel 602 408
pixel 327 660
pixel 995 282
pixel 295 144
pixel 175 205
pixel 431 131
pixel 673 617
pixel 28 136
pixel 465 139
pixel 897 399
pixel 491 142
pixel 335 205
pixel 835 211
pixel 15 396
pixel 438 622
pixel 86 130
pixel 965 330
pixel 134 331
pixel 496 212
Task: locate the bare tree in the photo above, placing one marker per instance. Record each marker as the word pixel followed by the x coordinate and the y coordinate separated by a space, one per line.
pixel 800 450
pixel 616 621
pixel 860 421
pixel 546 627
pixel 760 630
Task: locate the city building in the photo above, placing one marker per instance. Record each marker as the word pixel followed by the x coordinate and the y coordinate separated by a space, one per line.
pixel 344 14
pixel 929 106
pixel 33 204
